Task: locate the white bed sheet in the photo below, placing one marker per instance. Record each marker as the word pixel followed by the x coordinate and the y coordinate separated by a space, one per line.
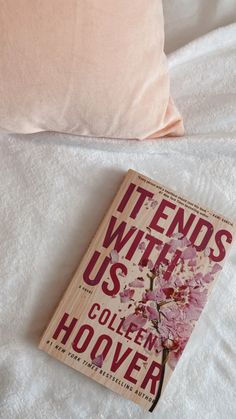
pixel 54 191
pixel 186 20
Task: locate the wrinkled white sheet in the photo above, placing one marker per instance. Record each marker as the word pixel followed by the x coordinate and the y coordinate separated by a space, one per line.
pixel 186 20
pixel 54 191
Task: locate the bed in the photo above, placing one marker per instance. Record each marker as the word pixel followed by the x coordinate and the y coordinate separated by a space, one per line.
pixel 55 189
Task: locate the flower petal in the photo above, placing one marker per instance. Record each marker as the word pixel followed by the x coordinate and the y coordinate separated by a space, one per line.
pixel 208 278
pixel 189 253
pixel 137 283
pixel 126 295
pixel 98 361
pixel 216 267
pixel 114 255
pixel 150 264
pixel 152 313
pixel 137 320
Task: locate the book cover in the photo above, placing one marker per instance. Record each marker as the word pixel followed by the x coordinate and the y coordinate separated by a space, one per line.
pixel 132 304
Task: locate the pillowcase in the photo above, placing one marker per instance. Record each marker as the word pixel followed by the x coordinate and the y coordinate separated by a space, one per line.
pixel 85 67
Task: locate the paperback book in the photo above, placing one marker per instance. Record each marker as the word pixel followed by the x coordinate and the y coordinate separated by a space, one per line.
pixel 130 308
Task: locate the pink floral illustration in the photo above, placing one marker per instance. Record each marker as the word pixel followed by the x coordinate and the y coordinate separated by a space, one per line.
pixel 137 283
pixel 137 321
pixel 98 361
pixel 126 295
pixel 170 308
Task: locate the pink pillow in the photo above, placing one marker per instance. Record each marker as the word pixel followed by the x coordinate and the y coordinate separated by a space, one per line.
pixel 86 67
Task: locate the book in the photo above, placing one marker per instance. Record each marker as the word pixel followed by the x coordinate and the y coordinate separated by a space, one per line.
pixel 129 311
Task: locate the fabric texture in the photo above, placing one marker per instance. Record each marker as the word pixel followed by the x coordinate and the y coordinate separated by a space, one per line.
pixel 187 20
pixel 85 67
pixel 55 189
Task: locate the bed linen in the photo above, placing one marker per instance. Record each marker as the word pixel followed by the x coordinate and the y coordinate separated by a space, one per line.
pixel 187 20
pixel 55 190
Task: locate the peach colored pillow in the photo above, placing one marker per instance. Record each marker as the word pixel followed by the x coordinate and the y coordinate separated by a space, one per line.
pixel 87 67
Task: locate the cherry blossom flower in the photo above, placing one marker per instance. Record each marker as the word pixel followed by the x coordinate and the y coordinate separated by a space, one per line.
pixel 216 267
pixel 178 243
pixel 126 295
pixel 152 313
pixel 189 253
pixel 137 320
pixel 195 301
pixel 171 306
pixel 155 295
pixel 170 344
pixel 208 278
pixel 192 262
pixel 196 279
pixel 137 283
pixel 176 280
